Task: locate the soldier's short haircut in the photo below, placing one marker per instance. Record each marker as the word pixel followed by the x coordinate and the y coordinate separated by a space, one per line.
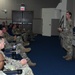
pixel 69 13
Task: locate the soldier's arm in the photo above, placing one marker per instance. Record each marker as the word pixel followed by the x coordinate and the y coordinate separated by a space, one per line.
pixel 60 29
pixel 8 37
pixel 13 62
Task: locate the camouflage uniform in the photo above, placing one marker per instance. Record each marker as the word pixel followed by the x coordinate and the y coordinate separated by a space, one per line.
pixel 21 36
pixel 19 49
pixel 17 65
pixel 67 37
pixel 2 73
pixel 16 31
pixel 24 34
pixel 10 38
pixel 7 45
pixel 20 31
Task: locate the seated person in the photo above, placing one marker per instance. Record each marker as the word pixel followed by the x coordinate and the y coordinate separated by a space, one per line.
pixel 17 64
pixel 17 39
pixel 9 30
pixel 21 48
pixel 10 38
pixel 2 64
pixel 18 29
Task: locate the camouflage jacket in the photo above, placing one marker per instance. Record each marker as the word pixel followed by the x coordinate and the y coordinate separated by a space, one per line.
pixel 15 64
pixel 8 37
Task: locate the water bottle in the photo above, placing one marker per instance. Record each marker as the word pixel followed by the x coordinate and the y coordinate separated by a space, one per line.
pixel 14 51
pixel 14 47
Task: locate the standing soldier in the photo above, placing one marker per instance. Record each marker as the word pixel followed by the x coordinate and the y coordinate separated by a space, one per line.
pixel 67 33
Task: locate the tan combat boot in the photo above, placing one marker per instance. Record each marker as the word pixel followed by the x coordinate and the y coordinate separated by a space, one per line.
pixel 26 43
pixel 68 58
pixel 30 63
pixel 27 49
pixel 65 56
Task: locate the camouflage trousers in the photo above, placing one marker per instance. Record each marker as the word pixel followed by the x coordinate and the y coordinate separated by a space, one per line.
pixel 24 36
pixel 19 40
pixel 67 45
pixel 21 50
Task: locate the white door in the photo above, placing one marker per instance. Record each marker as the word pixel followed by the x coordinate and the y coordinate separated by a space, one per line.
pixel 47 15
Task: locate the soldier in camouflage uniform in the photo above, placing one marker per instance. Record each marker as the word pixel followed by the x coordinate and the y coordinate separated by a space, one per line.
pixel 19 49
pixel 14 38
pixel 24 34
pixel 16 64
pixel 20 31
pixel 67 35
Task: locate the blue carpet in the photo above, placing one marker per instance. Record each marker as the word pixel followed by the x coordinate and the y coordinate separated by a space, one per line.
pixel 47 53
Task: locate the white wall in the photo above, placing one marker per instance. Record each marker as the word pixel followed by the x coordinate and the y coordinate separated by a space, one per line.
pixel 63 8
pixel 74 12
pixel 53 13
pixel 47 15
pixel 62 5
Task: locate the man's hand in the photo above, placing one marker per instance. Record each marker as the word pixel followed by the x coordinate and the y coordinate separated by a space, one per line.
pixel 23 61
pixel 60 29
